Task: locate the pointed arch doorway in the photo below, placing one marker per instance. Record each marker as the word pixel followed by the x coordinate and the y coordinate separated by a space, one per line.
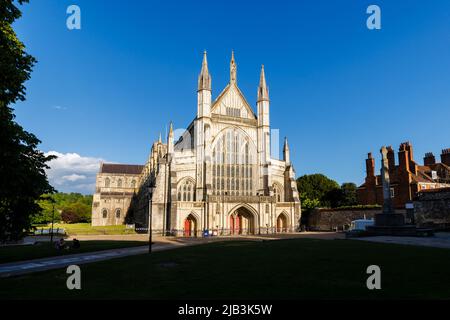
pixel 190 226
pixel 282 223
pixel 242 221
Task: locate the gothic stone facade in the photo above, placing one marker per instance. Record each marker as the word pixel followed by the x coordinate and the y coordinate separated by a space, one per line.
pixel 115 186
pixel 219 176
pixel 407 177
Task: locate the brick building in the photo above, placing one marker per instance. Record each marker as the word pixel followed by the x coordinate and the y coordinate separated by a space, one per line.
pixel 407 177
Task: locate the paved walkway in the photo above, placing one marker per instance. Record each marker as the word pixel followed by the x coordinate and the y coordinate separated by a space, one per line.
pixel 160 243
pixel 440 240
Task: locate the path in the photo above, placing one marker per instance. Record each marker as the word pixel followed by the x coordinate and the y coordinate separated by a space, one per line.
pixel 440 240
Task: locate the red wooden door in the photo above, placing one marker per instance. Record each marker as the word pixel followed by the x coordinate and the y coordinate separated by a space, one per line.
pixel 231 224
pixel 237 225
pixel 187 228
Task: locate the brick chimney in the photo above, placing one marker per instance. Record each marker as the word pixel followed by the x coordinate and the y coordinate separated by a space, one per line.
pixel 370 167
pixel 412 163
pixel 369 195
pixel 391 158
pixel 403 157
pixel 445 156
pixel 409 147
pixel 429 159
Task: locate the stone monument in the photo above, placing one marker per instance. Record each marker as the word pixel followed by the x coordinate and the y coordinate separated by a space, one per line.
pixel 388 222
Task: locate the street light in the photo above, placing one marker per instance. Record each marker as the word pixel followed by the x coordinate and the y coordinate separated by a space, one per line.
pixel 150 198
pixel 52 201
pixel 53 218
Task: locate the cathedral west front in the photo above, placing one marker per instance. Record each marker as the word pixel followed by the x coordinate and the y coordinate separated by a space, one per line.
pixel 218 178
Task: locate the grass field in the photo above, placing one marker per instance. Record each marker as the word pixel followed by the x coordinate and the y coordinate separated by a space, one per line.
pixel 86 229
pixel 290 269
pixel 46 249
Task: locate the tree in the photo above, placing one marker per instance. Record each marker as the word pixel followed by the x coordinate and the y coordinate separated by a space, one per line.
pixel 317 190
pixel 75 212
pixel 317 187
pixel 22 165
pixel 349 194
pixel 69 207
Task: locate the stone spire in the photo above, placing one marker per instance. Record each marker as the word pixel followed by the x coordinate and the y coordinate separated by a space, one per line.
pixel 160 140
pixel 286 152
pixel 263 91
pixel 233 68
pixel 204 78
pixel 170 142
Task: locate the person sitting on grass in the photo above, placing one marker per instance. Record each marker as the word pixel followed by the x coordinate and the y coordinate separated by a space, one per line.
pixel 60 244
pixel 75 243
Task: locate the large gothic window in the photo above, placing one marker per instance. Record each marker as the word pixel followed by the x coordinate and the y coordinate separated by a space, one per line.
pixel 234 164
pixel 119 183
pixel 107 182
pixel 186 190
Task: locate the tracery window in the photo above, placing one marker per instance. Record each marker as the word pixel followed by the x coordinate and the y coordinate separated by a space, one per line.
pixel 107 182
pixel 119 183
pixel 233 112
pixel 186 190
pixel 104 213
pixel 277 192
pixel 234 164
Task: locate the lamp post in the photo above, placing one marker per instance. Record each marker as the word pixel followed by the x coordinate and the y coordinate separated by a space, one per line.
pixel 150 198
pixel 52 201
pixel 53 218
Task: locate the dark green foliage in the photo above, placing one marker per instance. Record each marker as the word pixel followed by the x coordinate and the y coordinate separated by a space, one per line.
pixel 69 207
pixel 15 63
pixel 317 190
pixel 22 165
pixel 316 187
pixel 348 194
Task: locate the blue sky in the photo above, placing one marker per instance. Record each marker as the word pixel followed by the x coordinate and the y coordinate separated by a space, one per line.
pixel 338 90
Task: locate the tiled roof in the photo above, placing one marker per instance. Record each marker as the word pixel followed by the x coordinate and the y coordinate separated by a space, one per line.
pixel 421 176
pixel 121 168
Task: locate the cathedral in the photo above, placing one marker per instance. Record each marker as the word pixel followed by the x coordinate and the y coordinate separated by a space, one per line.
pixel 218 178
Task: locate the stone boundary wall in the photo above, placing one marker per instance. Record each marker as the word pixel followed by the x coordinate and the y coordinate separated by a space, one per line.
pixel 330 219
pixel 432 209
pixel 338 219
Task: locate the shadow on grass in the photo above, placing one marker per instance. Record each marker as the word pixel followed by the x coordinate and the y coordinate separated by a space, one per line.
pixel 47 249
pixel 283 269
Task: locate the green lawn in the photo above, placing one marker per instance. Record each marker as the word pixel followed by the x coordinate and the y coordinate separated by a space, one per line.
pixel 298 268
pixel 86 229
pixel 45 249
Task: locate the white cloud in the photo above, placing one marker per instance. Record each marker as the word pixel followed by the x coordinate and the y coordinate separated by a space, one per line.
pixel 74 177
pixel 70 172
